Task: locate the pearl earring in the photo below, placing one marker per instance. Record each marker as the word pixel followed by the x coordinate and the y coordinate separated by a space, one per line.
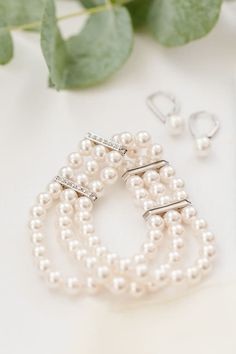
pixel 203 142
pixel 173 121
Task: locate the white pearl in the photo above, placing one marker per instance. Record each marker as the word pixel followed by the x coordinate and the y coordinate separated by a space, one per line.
pixel 139 258
pixel 83 217
pixel 151 177
pixel 114 159
pixel 174 257
pixel 72 285
pixel 97 187
pixel 202 146
pixel 101 251
pixel 37 238
pixel 124 265
pixel 176 230
pixel 178 244
pixel 188 214
pixel 141 271
pixel 73 245
pixel 82 179
pixel 90 262
pixel 177 276
pixel 161 276
pixel 94 241
pixel 176 184
pixel 64 222
pixel 180 195
pixel 81 254
pixel 134 182
pixel 193 275
pixel 157 190
pixel 35 224
pixel 136 290
pixel 155 152
pixel 54 279
pixel 116 138
pixel 103 273
pixel 87 229
pixel 39 251
pixel 208 237
pixel 126 139
pixel 155 236
pixel 172 217
pixel 99 153
pixel 141 161
pixel 75 160
pixel 204 264
pixel 140 195
pixel 91 167
pixel 148 204
pixel 45 200
pixel 92 285
pixel 83 204
pixel 156 221
pixel 149 249
pixel 68 195
pixel 143 139
pixel 164 200
pixel 38 212
pixel 199 224
pixel 112 259
pixel 118 285
pixel 85 147
pixel 166 173
pixel 209 251
pixel 109 175
pixel 133 151
pixel 67 172
pixel 175 124
pixel 65 209
pixel 44 265
pixel 55 189
pixel 66 235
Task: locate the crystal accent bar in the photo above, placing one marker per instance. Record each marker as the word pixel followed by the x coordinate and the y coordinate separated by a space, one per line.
pixel 163 209
pixel 140 170
pixel 109 143
pixel 67 183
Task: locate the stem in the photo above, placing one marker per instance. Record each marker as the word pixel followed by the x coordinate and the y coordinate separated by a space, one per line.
pixel 93 10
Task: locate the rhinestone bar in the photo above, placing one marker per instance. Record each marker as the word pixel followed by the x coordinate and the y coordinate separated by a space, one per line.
pixel 109 143
pixel 67 183
pixel 163 209
pixel 140 170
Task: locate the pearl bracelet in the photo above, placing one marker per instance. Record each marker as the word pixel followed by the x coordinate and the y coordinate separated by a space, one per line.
pixel 156 190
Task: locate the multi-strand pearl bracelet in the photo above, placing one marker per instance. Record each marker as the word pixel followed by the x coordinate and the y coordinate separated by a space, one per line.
pixel 167 212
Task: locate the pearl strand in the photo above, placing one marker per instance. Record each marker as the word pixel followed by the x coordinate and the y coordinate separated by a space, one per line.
pixel 95 167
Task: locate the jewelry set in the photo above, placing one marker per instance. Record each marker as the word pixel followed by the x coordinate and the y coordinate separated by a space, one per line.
pixel 167 212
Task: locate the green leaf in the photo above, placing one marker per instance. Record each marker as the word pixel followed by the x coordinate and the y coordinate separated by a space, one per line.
pixel 93 55
pixel 175 23
pixel 18 12
pixel 92 3
pixel 138 10
pixel 6 46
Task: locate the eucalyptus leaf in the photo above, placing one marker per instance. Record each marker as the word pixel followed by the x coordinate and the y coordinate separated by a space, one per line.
pixel 6 46
pixel 92 3
pixel 175 23
pixel 18 12
pixel 93 55
pixel 139 10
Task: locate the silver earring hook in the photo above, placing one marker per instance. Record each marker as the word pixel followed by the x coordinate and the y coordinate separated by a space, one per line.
pixel 196 115
pixel 151 103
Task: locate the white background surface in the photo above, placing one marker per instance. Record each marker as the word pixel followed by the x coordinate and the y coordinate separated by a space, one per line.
pixel 39 127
